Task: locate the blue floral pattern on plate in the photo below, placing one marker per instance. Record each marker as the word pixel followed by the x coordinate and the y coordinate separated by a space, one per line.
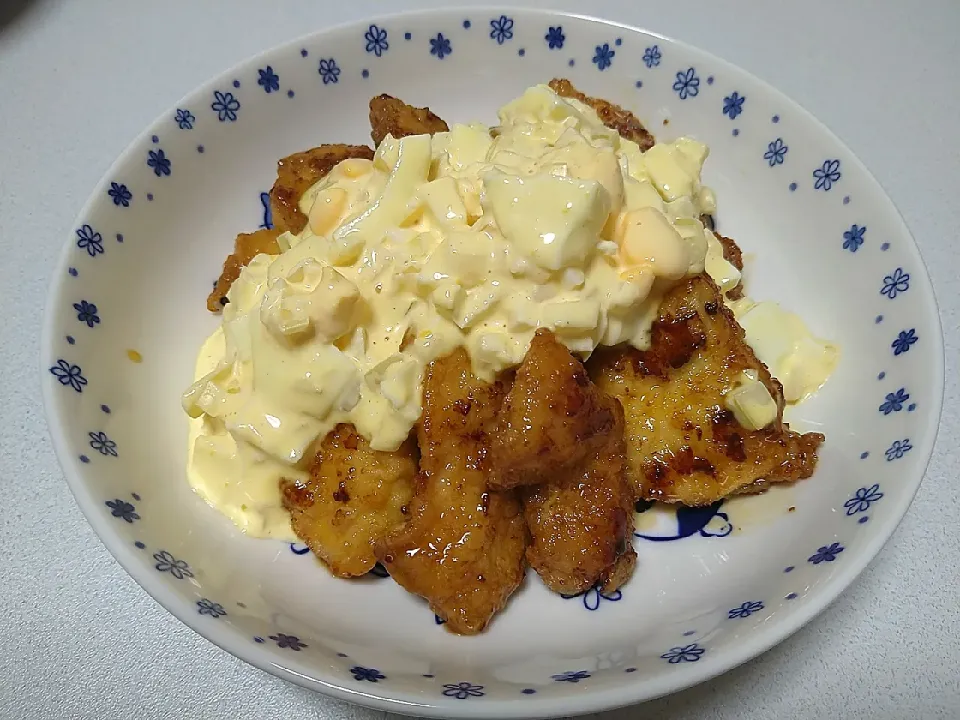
pixel 603 56
pixel 365 674
pixel 894 401
pixel 329 71
pixel 895 283
pixel 853 238
pixel 123 510
pixel 90 240
pixel 501 29
pixel 776 152
pixel 826 553
pixel 684 653
pixel 826 175
pixel 555 37
pixel 268 80
pixel 652 56
pixel 87 313
pixel 208 607
pixel 863 498
pixel 733 105
pixel 687 84
pixel 116 214
pixel 376 40
pixel 184 119
pixel 905 340
pixel 462 690
pixel 225 105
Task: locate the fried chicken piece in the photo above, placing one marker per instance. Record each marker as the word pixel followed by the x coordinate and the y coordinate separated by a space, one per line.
pixel 297 173
pixel 463 547
pixel 355 496
pixel 733 255
pixel 390 116
pixel 559 430
pixel 246 247
pixel 552 418
pixel 683 445
pixel 613 116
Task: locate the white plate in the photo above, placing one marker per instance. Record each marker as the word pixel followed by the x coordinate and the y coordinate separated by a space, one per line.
pixel 126 316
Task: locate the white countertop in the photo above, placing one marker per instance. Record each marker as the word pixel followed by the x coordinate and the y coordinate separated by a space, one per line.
pixel 79 80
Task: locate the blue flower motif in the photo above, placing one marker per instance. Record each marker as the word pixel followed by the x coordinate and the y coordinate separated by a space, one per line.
pixel 863 499
pixel 69 374
pixel 826 175
pixel 267 211
pixel 184 119
pixel 208 607
pixel 225 105
pixel 86 313
pixel 376 38
pixel 775 153
pixel 159 162
pixel 329 70
pixel 571 676
pixel 687 84
pixel 904 340
pixel 604 56
pixel 826 553
pixel 686 653
pixel 894 401
pixel 269 80
pixel 122 509
pixel 463 690
pixel 651 56
pixel 555 37
pixel 168 563
pixel 291 642
pixel 898 449
pixel 440 46
pixel 120 194
pixel 593 596
pixel 733 105
pixel 895 283
pixel 90 240
pixel 501 29
pixel 298 549
pixel 102 444
pixel 853 238
pixel 745 610
pixel 367 674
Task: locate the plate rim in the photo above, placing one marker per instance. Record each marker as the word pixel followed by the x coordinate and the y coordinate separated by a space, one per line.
pixel 589 701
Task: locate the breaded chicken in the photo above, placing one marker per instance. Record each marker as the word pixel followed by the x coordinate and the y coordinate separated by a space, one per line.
pixel 683 445
pixel 463 547
pixel 581 515
pixel 354 497
pixel 732 254
pixel 246 247
pixel 297 173
pixel 390 116
pixel 613 116
pixel 552 418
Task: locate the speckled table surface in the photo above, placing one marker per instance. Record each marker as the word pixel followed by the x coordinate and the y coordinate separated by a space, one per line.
pixel 78 80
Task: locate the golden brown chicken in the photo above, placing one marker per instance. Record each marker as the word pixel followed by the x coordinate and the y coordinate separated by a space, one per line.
pixel 557 429
pixel 297 173
pixel 613 116
pixel 683 445
pixel 355 495
pixel 552 419
pixel 245 248
pixel 390 116
pixel 463 547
